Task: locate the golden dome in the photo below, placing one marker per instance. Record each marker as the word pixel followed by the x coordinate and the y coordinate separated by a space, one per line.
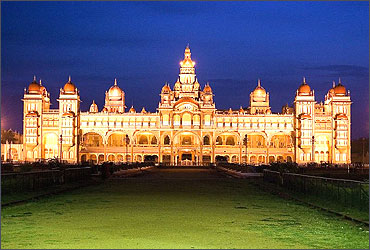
pixel 132 110
pixel 32 114
pixel 305 116
pixel 166 89
pixel 115 92
pixel 69 87
pixel 93 107
pixel 304 88
pixel 69 114
pixel 342 116
pixel 207 89
pixel 259 91
pixel 42 88
pixel 339 89
pixel 34 87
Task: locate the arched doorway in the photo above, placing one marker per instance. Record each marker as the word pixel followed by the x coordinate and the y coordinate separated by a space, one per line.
pixel 50 142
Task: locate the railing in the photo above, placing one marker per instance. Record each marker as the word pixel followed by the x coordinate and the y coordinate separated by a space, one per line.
pixel 347 192
pixel 30 181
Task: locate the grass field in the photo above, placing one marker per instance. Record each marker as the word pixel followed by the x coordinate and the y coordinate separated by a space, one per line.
pixel 174 209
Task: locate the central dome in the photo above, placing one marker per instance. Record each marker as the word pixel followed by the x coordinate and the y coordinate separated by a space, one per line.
pixel 259 91
pixel 115 92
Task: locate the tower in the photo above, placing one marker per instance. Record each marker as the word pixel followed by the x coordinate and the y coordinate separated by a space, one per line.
pixel 187 84
pixel 304 106
pixel 35 101
pixel 69 122
pixel 338 101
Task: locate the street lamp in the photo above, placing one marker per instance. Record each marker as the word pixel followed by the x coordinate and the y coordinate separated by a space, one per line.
pixel 245 141
pixel 313 148
pixel 127 140
pixel 61 143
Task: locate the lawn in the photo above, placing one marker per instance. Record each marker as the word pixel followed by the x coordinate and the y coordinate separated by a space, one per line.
pixel 174 210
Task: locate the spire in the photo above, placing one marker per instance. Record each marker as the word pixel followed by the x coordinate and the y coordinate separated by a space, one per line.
pixel 339 81
pixel 333 84
pixel 40 83
pixel 69 78
pixel 304 80
pixel 115 81
pixel 34 78
pixel 259 82
pixel 93 102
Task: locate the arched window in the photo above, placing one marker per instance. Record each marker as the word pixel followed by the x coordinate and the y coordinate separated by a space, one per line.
pixel 206 140
pixel 230 140
pixel 154 140
pixel 143 139
pixel 167 140
pixel 219 140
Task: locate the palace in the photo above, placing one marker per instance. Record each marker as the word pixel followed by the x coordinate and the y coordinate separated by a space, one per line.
pixel 187 128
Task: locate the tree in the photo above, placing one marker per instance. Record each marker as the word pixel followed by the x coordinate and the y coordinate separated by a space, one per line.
pixel 7 135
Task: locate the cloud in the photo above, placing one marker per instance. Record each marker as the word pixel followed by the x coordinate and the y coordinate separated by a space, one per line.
pixel 342 70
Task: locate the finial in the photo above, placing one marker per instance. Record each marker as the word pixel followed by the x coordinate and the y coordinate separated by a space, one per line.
pixel 69 78
pixel 333 84
pixel 304 80
pixel 34 78
pixel 93 101
pixel 339 81
pixel 115 81
pixel 40 83
pixel 259 82
pixel 188 46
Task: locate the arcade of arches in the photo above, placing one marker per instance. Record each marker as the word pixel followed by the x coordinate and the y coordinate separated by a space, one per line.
pixel 188 148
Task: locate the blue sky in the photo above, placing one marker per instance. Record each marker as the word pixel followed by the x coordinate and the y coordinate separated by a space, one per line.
pixel 141 44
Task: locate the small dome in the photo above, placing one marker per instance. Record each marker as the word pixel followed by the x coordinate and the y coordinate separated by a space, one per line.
pixel 32 114
pixel 132 110
pixel 69 87
pixel 69 114
pixel 342 117
pixel 93 107
pixel 42 88
pixel 305 116
pixel 34 87
pixel 304 89
pixel 207 89
pixel 115 92
pixel 177 85
pixel 241 110
pixel 143 111
pixel 339 89
pixel 166 89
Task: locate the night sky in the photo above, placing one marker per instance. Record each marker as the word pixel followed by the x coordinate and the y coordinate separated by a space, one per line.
pixel 142 43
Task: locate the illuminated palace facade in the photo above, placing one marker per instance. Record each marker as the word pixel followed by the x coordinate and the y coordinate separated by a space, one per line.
pixel 187 128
